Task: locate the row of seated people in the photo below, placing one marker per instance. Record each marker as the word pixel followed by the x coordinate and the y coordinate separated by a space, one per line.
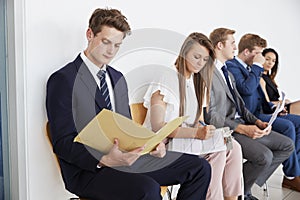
pixel 247 68
pixel 227 107
pixel 201 76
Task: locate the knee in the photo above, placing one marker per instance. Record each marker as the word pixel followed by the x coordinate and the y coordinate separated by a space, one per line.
pixel 289 145
pixel 196 168
pixel 148 190
pixel 235 158
pixel 237 149
pixel 205 169
pixel 289 129
pixel 265 159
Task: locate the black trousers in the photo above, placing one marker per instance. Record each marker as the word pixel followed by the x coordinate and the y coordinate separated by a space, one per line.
pixel 142 181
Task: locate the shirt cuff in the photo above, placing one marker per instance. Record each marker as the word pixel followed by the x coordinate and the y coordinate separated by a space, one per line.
pixel 99 166
pixel 258 64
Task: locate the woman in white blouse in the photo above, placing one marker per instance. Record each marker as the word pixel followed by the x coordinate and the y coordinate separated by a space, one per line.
pixel 182 92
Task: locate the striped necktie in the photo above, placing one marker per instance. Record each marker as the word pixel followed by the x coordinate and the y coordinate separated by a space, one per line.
pixel 104 89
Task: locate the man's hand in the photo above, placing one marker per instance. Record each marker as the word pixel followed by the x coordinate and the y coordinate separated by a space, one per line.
pixel 159 151
pixel 283 112
pixel 251 131
pixel 259 58
pixel 205 132
pixel 262 125
pixel 116 157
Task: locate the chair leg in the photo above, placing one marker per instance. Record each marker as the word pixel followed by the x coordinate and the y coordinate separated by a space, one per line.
pixel 169 194
pixel 266 189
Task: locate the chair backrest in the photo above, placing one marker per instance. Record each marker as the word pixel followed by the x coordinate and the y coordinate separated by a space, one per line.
pixel 138 112
pixel 50 140
pixel 57 162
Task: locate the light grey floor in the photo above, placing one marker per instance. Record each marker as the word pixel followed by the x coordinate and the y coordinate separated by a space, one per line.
pixel 276 192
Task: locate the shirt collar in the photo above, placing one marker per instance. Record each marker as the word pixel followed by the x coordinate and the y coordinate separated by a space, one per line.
pixel 94 69
pixel 240 61
pixel 219 64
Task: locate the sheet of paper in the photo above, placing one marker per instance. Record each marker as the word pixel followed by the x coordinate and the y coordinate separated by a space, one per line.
pixel 279 108
pixel 107 125
pixel 197 147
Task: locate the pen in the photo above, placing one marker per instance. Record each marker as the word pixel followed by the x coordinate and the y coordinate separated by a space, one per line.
pixel 202 123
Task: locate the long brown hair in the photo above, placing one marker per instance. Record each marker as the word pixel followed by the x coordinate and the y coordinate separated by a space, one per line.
pixel 274 69
pixel 202 79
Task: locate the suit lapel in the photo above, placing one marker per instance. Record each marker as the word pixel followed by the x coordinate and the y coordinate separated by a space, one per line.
pixel 244 70
pixel 111 76
pixel 224 85
pixel 85 76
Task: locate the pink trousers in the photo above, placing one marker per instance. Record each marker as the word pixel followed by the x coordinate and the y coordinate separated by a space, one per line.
pixel 226 173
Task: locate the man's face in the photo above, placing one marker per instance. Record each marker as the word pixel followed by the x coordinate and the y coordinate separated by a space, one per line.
pixel 229 48
pixel 103 46
pixel 250 55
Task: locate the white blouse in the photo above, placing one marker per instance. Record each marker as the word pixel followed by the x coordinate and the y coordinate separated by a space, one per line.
pixel 169 88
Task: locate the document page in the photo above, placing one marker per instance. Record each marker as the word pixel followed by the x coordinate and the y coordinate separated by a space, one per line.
pixel 279 108
pixel 197 147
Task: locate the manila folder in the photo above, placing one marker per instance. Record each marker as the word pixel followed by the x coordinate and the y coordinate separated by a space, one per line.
pixel 101 131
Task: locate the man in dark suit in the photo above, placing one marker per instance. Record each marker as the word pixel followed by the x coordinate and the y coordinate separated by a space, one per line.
pixel 76 93
pixel 247 69
pixel 227 108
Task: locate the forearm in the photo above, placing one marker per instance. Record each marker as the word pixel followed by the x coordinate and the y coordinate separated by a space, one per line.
pixel 241 129
pixel 78 154
pixel 184 132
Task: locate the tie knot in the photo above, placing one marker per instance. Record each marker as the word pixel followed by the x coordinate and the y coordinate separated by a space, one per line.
pixel 224 69
pixel 101 74
pixel 248 68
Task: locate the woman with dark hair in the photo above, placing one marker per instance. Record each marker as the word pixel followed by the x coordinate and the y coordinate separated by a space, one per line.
pixel 269 84
pixel 183 92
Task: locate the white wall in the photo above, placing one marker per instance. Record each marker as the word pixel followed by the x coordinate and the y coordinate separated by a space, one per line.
pixel 54 33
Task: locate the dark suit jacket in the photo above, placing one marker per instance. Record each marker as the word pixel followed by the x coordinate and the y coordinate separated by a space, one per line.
pixel 249 87
pixel 73 100
pixel 222 107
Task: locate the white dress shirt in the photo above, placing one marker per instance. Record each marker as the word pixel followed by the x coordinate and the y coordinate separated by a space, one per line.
pixel 94 70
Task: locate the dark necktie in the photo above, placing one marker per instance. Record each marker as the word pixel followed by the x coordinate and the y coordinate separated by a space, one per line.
pixel 104 89
pixel 248 68
pixel 225 72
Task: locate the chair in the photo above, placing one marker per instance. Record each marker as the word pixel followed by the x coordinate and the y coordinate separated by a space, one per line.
pixel 138 112
pixel 266 189
pixel 57 162
pixel 265 186
pixel 139 115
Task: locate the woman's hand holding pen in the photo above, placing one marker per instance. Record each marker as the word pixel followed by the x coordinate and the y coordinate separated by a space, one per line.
pixel 205 132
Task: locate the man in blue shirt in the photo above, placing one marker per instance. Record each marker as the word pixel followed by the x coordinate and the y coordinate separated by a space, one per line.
pixel 247 69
